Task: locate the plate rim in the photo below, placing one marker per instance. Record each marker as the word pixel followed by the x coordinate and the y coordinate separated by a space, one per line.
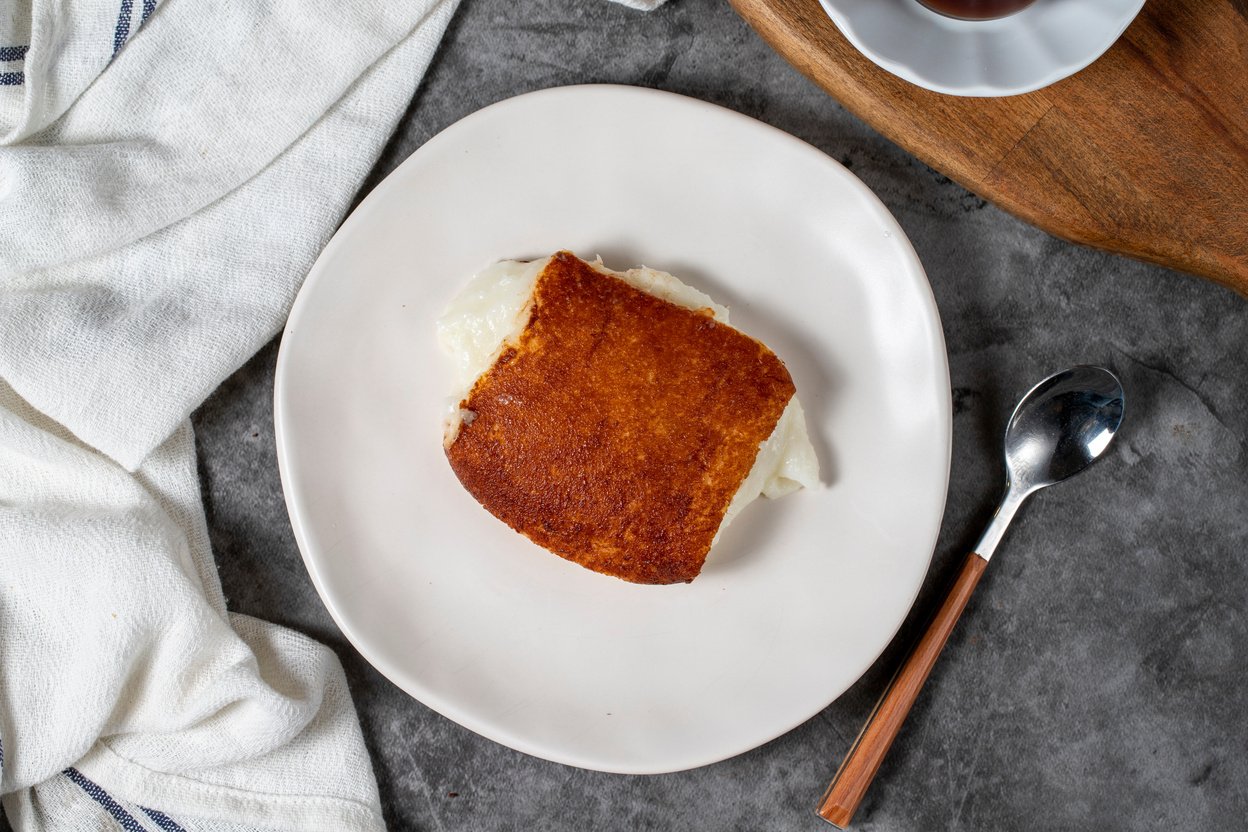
pixel 978 89
pixel 944 412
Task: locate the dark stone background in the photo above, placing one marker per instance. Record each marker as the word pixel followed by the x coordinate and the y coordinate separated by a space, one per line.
pixel 1097 680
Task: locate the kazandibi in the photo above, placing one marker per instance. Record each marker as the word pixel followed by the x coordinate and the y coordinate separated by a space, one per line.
pixel 615 418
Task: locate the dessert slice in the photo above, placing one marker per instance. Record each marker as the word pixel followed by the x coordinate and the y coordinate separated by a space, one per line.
pixel 615 418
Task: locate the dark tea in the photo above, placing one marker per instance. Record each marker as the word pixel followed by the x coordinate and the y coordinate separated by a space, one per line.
pixel 976 9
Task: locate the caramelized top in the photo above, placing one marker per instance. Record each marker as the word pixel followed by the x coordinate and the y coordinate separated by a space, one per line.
pixel 618 428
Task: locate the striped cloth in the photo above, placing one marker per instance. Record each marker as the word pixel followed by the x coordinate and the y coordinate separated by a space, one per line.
pixel 169 169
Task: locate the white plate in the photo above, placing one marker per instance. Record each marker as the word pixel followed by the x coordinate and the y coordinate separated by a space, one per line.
pixel 1040 45
pixel 801 595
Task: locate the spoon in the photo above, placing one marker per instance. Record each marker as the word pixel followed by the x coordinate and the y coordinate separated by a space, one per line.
pixel 1059 428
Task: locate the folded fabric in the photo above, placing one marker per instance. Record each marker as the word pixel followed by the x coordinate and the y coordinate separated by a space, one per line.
pixel 114 627
pixel 159 205
pixel 134 257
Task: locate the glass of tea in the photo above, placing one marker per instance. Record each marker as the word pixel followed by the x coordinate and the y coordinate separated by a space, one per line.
pixel 976 9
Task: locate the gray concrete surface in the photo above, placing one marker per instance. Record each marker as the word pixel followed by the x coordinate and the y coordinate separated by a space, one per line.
pixel 1097 680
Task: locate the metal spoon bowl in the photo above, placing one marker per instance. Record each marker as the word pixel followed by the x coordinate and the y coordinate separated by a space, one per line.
pixel 1060 427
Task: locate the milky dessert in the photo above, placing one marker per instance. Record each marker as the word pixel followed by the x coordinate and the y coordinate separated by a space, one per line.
pixel 615 418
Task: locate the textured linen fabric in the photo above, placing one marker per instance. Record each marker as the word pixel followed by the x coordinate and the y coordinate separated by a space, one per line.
pixel 168 174
pixel 119 662
pixel 152 236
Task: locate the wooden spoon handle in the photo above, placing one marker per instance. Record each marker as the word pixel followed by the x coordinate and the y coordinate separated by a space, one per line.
pixel 858 769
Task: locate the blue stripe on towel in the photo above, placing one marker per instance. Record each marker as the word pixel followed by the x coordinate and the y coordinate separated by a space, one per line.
pixel 124 818
pixel 12 79
pixel 162 820
pixel 149 6
pixel 123 25
pixel 13 53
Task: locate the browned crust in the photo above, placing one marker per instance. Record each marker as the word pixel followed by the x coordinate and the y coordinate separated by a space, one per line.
pixel 619 427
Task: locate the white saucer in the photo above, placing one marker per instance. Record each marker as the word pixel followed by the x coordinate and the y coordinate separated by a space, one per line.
pixel 1044 43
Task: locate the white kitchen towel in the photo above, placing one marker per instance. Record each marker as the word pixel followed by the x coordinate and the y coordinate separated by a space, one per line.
pixel 123 681
pixel 153 234
pixel 168 173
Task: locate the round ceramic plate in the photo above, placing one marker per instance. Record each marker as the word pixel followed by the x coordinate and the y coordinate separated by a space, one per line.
pixel 800 595
pixel 1042 44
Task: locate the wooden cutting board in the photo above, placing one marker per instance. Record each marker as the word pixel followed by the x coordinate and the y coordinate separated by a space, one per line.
pixel 1145 152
